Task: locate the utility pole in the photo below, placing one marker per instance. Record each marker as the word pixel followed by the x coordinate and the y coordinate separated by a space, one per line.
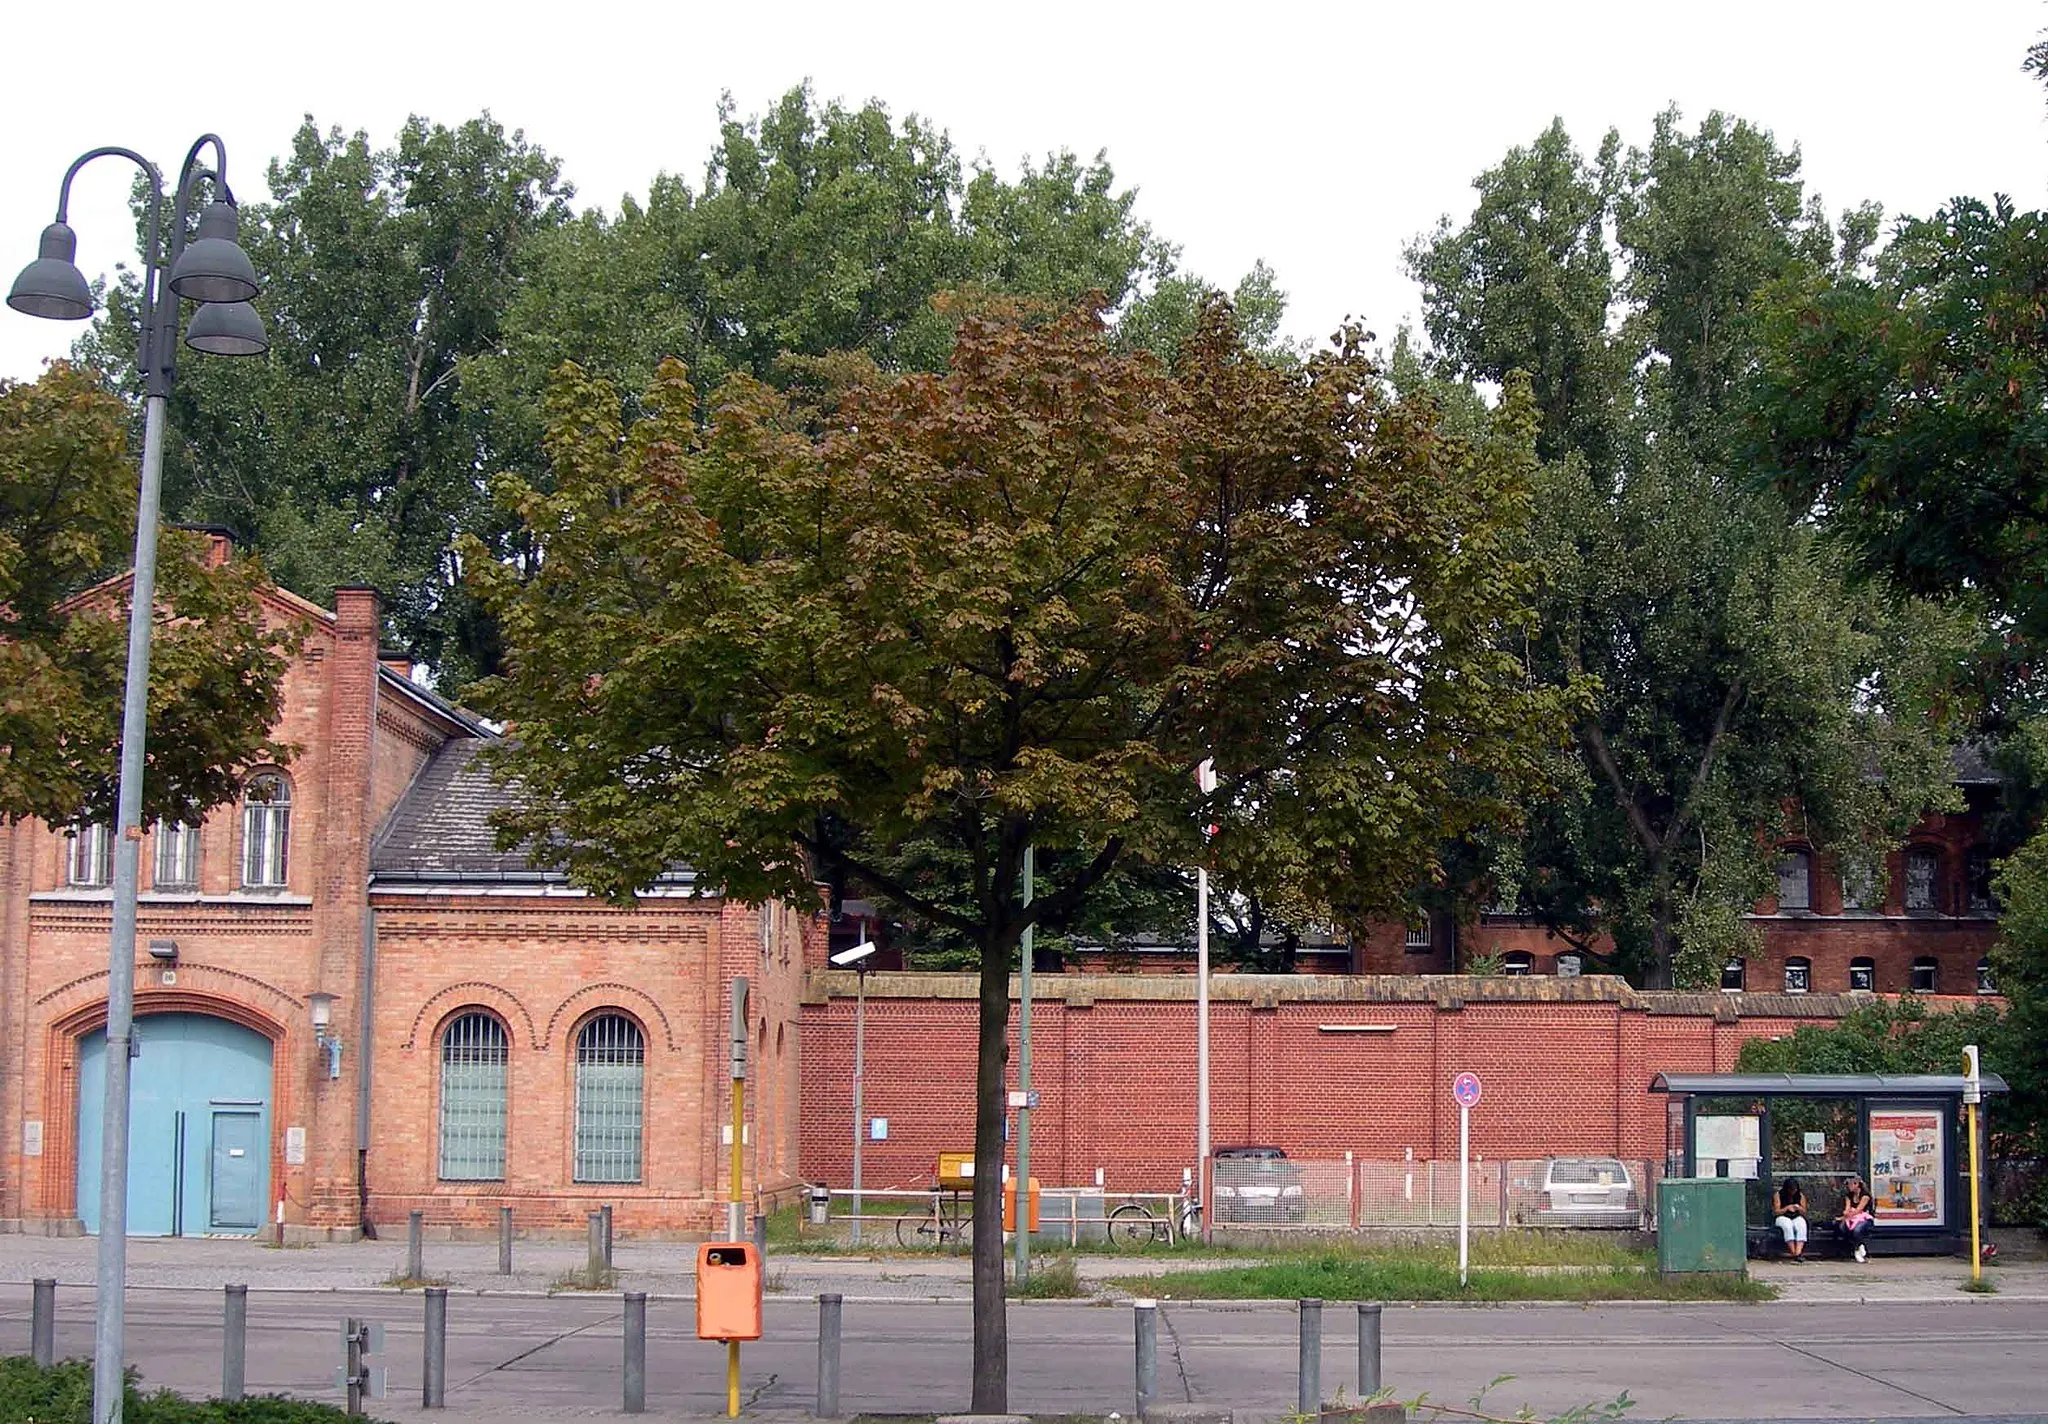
pixel 1023 1189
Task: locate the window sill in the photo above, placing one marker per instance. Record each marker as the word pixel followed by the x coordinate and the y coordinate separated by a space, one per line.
pixel 75 896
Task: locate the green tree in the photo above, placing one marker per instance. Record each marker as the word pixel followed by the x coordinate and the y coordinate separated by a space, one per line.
pixel 345 453
pixel 1744 671
pixel 1016 603
pixel 67 521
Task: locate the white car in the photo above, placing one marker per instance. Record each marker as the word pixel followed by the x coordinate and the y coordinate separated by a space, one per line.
pixel 1587 1192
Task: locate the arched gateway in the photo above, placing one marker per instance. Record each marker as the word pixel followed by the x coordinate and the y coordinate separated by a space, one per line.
pixel 199 1127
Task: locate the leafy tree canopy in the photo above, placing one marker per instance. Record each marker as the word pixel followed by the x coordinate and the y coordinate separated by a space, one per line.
pixel 67 521
pixel 1744 671
pixel 1017 602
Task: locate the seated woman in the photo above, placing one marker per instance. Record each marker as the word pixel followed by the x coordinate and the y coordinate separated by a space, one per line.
pixel 1790 1206
pixel 1857 1216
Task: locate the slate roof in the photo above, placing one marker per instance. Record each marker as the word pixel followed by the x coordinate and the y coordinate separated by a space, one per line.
pixel 441 827
pixel 440 832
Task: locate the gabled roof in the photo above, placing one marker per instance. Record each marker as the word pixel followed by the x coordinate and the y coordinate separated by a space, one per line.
pixel 440 832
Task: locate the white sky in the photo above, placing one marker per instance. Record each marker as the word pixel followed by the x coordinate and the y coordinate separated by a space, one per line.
pixel 1317 137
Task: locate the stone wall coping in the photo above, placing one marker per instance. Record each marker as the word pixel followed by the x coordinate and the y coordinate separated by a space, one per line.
pixel 1451 991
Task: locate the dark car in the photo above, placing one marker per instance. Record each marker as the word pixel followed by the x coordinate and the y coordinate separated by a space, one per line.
pixel 1256 1186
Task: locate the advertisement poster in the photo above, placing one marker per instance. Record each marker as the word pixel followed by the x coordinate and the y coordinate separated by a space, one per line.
pixel 1906 1167
pixel 1726 1146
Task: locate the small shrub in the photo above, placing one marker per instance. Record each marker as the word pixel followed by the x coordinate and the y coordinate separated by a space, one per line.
pixel 604 1278
pixel 62 1394
pixel 1981 1285
pixel 1055 1279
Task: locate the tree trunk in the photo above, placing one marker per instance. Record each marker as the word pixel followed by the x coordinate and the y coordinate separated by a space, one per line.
pixel 1663 942
pixel 991 1325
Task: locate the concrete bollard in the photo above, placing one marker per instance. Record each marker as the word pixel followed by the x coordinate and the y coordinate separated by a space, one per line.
pixel 596 1262
pixel 1146 1315
pixel 434 1351
pixel 504 1240
pixel 234 1351
pixel 761 1234
pixel 607 1237
pixel 828 1355
pixel 1368 1349
pixel 415 1253
pixel 42 1329
pixel 636 1352
pixel 1308 1392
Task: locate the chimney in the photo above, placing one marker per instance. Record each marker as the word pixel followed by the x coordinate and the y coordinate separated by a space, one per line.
pixel 397 660
pixel 355 611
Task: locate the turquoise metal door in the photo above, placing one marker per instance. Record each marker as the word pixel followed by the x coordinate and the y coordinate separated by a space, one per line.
pixel 188 1069
pixel 235 1189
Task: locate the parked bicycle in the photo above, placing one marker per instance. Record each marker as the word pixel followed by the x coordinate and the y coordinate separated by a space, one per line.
pixel 949 1221
pixel 1135 1224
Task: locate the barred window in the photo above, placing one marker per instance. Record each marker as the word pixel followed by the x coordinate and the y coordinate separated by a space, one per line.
pixel 91 862
pixel 611 1059
pixel 266 831
pixel 1417 938
pixel 473 1058
pixel 1798 975
pixel 1863 974
pixel 177 856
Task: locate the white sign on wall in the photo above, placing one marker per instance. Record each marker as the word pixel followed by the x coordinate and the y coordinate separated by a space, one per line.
pixel 295 1147
pixel 32 1138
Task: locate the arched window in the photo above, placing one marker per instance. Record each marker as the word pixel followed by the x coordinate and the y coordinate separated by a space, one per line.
pixel 611 1059
pixel 90 864
pixel 1925 972
pixel 1863 974
pixel 266 831
pixel 1517 962
pixel 1731 975
pixel 1798 974
pixel 1923 880
pixel 1795 880
pixel 473 1057
pixel 1986 984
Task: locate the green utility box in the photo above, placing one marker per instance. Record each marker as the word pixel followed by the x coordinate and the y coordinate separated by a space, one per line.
pixel 1701 1225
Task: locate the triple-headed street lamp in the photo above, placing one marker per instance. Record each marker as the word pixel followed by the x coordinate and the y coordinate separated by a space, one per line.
pixel 210 269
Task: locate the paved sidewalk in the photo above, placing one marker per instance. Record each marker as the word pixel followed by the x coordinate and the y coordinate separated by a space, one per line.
pixel 668 1269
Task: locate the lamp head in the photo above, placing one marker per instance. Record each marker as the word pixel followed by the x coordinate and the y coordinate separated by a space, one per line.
pixel 213 267
pixel 322 1006
pixel 855 957
pixel 52 286
pixel 227 329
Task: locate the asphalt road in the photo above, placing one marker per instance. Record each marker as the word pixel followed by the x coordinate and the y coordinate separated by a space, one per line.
pixel 561 1356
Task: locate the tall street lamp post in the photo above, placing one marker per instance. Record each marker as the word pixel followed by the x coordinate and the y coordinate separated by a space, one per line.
pixel 210 269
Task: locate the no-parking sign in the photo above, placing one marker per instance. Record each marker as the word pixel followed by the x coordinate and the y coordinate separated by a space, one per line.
pixel 1465 1089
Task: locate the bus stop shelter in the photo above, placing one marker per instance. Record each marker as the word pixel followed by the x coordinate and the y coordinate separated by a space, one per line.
pixel 1904 1135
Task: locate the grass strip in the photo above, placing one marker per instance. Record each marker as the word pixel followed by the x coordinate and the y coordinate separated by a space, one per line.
pixel 1348 1275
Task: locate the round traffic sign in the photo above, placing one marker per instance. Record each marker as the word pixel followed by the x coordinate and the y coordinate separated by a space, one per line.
pixel 1465 1088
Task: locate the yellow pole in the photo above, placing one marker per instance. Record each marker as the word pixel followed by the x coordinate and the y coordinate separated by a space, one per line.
pixel 738 1209
pixel 1976 1250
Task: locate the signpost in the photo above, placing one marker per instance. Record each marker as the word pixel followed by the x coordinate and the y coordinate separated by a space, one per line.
pixel 1465 1092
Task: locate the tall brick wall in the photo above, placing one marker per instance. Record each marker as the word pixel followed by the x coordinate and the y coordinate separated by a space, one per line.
pixel 1317 1065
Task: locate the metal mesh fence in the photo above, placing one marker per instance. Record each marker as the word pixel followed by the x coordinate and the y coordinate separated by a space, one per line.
pixel 1353 1193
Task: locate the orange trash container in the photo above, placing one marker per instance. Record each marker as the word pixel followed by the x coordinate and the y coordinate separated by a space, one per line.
pixel 728 1291
pixel 1010 1204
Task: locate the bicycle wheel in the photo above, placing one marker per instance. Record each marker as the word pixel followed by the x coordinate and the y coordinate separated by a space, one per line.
pixel 958 1232
pixel 917 1230
pixel 1132 1225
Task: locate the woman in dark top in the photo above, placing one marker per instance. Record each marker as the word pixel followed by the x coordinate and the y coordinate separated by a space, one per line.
pixel 1857 1216
pixel 1790 1206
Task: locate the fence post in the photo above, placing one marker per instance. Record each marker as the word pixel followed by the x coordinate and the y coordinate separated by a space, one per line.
pixel 504 1240
pixel 234 1350
pixel 761 1233
pixel 636 1352
pixel 1504 1168
pixel 1368 1350
pixel 415 1262
pixel 434 1353
pixel 607 1235
pixel 1146 1315
pixel 595 1263
pixel 829 1321
pixel 1308 1392
pixel 1351 1192
pixel 42 1330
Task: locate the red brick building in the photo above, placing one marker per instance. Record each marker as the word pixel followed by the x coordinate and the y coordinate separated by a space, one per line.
pixel 350 1005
